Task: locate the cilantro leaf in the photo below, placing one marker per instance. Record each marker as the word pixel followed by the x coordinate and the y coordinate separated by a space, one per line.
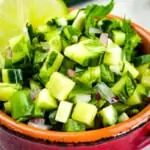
pixel 95 13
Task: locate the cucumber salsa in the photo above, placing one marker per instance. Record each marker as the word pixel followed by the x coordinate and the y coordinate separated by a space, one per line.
pixel 80 72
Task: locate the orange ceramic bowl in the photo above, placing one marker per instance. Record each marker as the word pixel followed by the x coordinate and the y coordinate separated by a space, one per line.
pixel 120 129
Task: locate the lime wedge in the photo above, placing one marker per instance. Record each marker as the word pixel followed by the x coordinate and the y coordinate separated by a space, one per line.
pixel 14 14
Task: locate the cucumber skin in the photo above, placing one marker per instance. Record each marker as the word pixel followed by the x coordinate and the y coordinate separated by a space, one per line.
pixel 12 76
pixel 49 67
pixel 73 126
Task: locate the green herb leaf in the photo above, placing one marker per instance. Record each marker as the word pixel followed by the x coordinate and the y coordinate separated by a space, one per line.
pixel 95 13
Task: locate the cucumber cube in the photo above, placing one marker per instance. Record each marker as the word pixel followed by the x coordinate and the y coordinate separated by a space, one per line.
pixel 12 76
pixel 85 113
pixel 64 111
pixel 20 47
pixel 73 126
pixel 123 117
pixel 119 85
pixel 113 56
pixel 60 86
pixel 129 67
pixel 80 20
pixel 51 64
pixel 45 100
pixel 134 99
pixel 84 52
pixel 109 115
pixel 146 78
pixel 119 37
pixel 6 92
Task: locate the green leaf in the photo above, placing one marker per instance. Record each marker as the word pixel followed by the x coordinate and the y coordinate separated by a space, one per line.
pixel 141 60
pixel 106 74
pixel 95 13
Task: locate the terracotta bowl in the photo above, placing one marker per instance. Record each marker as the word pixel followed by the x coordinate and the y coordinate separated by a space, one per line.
pixel 131 134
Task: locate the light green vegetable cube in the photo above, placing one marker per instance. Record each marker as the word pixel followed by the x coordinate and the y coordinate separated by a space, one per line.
pixel 85 113
pixel 60 86
pixel 45 100
pixel 63 112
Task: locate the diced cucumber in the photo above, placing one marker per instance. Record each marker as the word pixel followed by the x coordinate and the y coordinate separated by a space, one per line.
pixel 90 76
pixel 146 78
pixel 129 67
pixel 133 111
pixel 113 56
pixel 109 115
pixel 83 38
pixel 71 34
pixel 7 90
pixel 134 99
pixel 83 52
pixel 142 89
pixel 73 126
pixel 7 107
pixel 84 113
pixel 20 47
pixel 81 98
pixel 52 64
pixel 21 106
pixel 38 112
pixel 55 43
pixel 79 20
pixel 60 86
pixel 123 117
pixel 64 111
pixel 116 69
pixel 119 85
pixel 119 37
pixel 45 100
pixel 120 107
pixel 61 22
pixel 52 117
pixel 72 14
pixel 141 69
pixel 39 57
pixel 12 76
pixel 34 85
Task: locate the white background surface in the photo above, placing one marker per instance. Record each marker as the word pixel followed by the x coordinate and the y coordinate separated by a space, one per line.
pixel 137 10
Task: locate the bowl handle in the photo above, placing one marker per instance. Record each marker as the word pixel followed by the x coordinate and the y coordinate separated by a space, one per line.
pixel 145 138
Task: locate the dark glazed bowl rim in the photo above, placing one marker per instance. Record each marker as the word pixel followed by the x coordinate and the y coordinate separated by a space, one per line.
pixel 86 136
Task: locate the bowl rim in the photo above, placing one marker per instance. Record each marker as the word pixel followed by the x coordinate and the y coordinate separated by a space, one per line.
pixel 85 136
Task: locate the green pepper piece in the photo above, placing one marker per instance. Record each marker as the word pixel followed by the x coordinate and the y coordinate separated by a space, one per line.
pixel 22 108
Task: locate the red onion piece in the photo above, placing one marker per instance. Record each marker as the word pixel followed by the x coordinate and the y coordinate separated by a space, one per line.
pixel 34 93
pixel 71 73
pixel 104 39
pixel 98 96
pixel 39 123
pixel 114 99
